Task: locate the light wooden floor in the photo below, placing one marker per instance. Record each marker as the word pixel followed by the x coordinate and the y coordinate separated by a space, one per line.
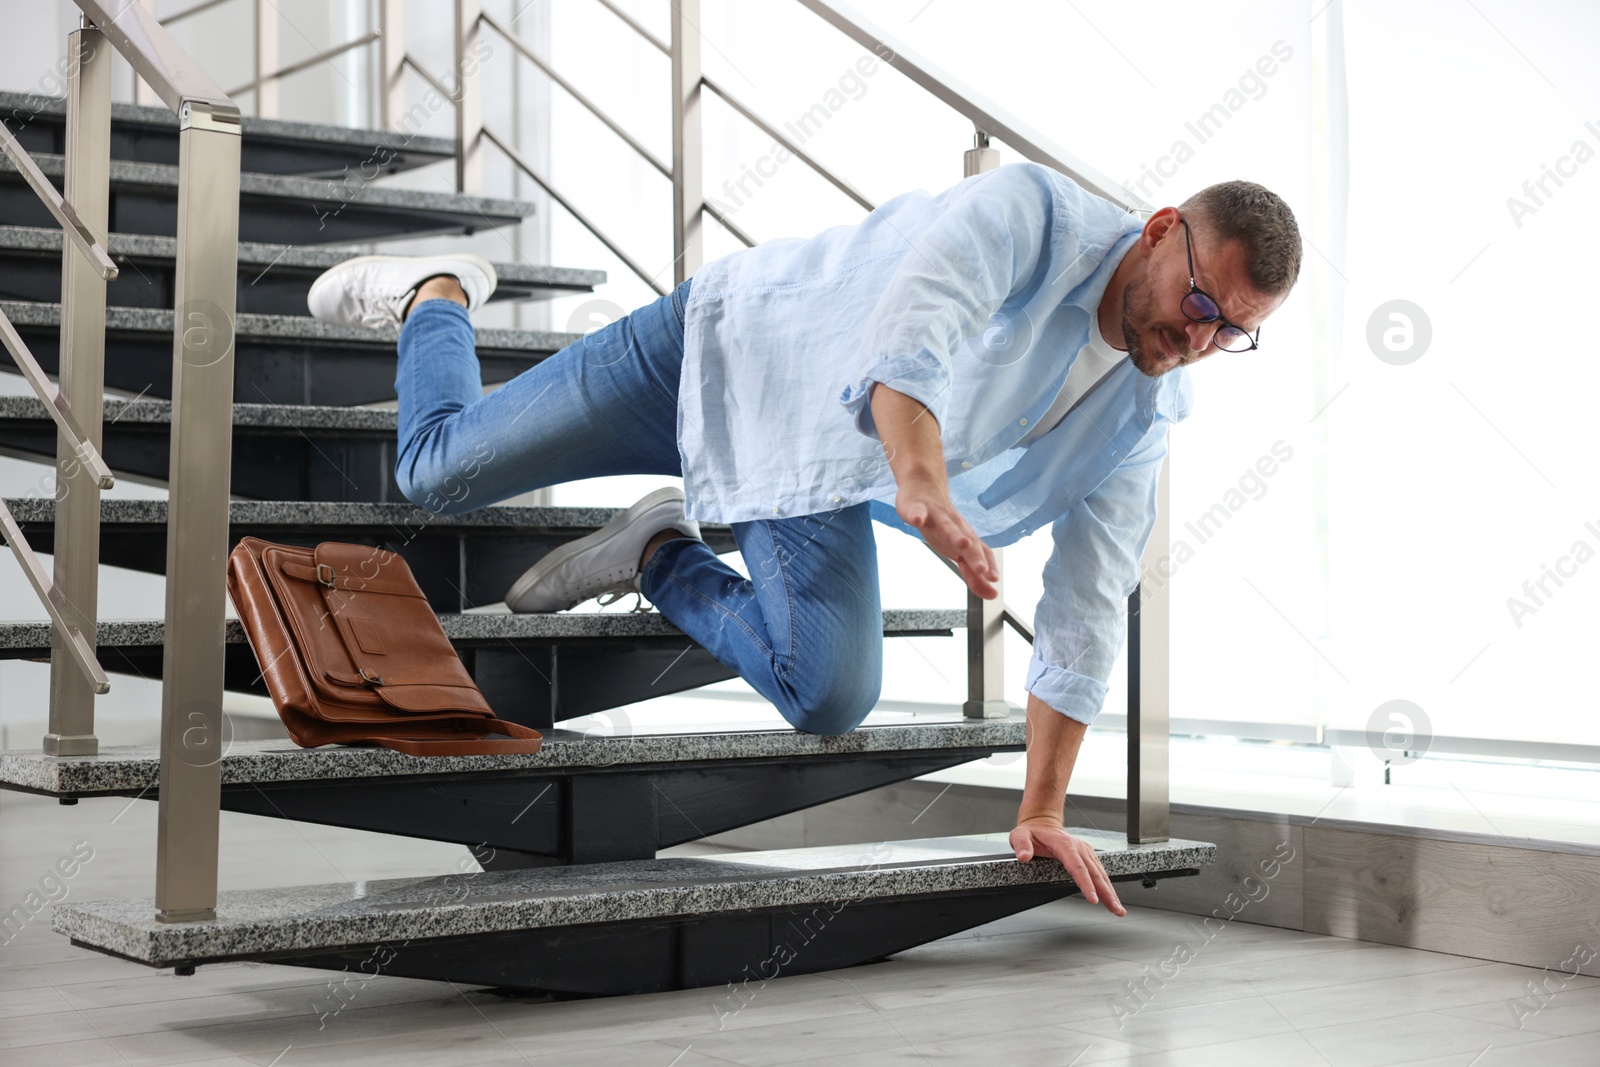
pixel 1034 989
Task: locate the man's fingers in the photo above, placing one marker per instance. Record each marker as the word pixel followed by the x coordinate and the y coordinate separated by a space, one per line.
pixel 1102 881
pixel 976 580
pixel 1076 857
pixel 1022 844
pixel 1075 865
pixel 1108 892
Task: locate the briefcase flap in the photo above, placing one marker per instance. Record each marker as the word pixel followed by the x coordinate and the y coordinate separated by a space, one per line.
pixel 366 632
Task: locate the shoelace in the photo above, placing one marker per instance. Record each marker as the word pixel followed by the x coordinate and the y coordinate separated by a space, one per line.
pixel 376 309
pixel 614 595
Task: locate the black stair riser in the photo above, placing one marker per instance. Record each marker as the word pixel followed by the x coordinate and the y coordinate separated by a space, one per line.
pixel 327 218
pixel 636 668
pixel 266 369
pixel 269 463
pixel 594 814
pixel 264 289
pixel 740 950
pixel 539 684
pixel 534 681
pixel 457 566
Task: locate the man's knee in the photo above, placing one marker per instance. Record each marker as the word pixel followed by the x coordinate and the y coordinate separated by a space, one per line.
pixel 439 493
pixel 839 704
pixel 444 488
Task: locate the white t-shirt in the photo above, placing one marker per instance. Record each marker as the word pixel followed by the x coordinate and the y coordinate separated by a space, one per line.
pixel 1095 359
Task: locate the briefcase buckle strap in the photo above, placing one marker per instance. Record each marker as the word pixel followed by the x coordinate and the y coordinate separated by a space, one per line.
pixel 325 575
pixel 370 678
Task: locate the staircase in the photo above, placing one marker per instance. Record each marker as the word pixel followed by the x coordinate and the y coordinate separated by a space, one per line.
pixel 571 898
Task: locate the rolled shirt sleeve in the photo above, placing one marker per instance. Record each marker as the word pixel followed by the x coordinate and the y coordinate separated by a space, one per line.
pixel 1080 623
pixel 983 248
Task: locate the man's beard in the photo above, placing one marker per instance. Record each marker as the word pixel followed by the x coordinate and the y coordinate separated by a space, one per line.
pixel 1137 304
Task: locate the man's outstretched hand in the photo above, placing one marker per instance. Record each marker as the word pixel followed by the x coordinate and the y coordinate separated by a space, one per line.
pixel 1043 837
pixel 947 532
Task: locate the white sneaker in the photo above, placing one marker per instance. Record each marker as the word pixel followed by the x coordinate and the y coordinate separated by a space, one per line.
pixel 606 561
pixel 374 290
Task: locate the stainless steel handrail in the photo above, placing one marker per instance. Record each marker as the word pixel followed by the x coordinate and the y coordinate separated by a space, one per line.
pixel 1009 614
pixel 611 124
pixel 616 249
pixel 799 153
pixel 174 75
pixel 986 116
pixel 55 603
pixel 60 412
pixel 729 225
pixel 195 10
pixel 87 242
pixel 633 24
pixel 255 84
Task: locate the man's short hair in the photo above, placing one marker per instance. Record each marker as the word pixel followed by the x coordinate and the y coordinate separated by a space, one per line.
pixel 1260 221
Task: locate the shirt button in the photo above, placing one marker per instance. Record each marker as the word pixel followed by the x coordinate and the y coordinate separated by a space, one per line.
pixel 966 463
pixel 1022 422
pixel 775 509
pixel 837 498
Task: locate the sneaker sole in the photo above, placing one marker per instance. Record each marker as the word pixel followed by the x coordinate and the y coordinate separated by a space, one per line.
pixel 556 556
pixel 331 275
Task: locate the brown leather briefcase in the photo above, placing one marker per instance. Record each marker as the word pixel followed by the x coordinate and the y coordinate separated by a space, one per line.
pixel 353 654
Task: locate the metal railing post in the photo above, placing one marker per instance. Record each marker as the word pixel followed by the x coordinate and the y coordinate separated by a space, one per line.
pixel 469 97
pixel 980 157
pixel 986 660
pixel 76 571
pixel 391 63
pixel 266 18
pixel 688 200
pixel 205 289
pixel 1149 685
pixel 197 512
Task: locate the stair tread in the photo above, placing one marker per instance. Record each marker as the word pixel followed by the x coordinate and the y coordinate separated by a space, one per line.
pixel 309 917
pixel 131 769
pixel 289 416
pixel 269 512
pixel 468 626
pixel 281 328
pixel 251 127
pixel 494 211
pixel 158 246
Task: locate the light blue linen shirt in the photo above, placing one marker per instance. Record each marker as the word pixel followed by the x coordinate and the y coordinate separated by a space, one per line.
pixel 975 301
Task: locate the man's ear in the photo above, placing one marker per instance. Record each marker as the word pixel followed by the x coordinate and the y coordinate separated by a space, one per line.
pixel 1156 229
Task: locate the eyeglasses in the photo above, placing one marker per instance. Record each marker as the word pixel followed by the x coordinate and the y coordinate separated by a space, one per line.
pixel 1198 306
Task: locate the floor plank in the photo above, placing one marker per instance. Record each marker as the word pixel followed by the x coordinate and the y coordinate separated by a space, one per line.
pixel 1066 983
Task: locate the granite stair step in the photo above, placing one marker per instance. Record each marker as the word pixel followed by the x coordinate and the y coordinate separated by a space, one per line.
pixel 134 770
pixel 278 359
pixel 273 207
pixel 604 659
pixel 267 146
pixel 585 797
pixel 273 278
pixel 280 451
pixel 460 561
pixel 636 926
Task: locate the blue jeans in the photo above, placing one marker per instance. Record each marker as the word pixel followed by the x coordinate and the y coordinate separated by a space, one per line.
pixel 805 630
